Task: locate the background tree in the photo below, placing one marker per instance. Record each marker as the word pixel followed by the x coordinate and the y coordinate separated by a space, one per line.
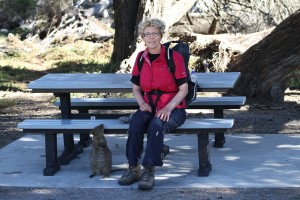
pixel 244 16
pixel 15 12
pixel 125 14
pixel 267 66
pixel 129 13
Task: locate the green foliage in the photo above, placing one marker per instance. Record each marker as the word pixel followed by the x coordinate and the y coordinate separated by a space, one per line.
pixel 20 31
pixel 2 38
pixel 22 8
pixel 6 103
pixel 22 62
pixel 11 78
pixel 75 67
pixel 295 81
pixel 8 87
pixel 10 74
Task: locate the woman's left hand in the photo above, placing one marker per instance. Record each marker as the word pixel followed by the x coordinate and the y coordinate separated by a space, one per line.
pixel 164 114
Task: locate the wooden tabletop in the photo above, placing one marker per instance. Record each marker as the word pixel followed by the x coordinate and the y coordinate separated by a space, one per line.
pixel 111 82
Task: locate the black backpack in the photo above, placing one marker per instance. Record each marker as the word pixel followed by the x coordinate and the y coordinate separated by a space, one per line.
pixel 184 50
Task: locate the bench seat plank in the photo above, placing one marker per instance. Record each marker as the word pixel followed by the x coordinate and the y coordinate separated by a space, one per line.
pixel 130 103
pixel 114 125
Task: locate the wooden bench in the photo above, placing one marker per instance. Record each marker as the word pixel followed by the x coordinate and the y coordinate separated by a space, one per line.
pixel 51 127
pixel 86 104
pixel 218 104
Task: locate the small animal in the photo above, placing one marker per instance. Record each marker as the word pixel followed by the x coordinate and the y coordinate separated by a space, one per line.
pixel 100 156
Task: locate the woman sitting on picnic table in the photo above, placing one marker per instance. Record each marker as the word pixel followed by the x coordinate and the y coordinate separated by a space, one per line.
pixel 160 96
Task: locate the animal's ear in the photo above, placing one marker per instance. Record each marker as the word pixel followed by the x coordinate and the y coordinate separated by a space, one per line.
pixel 98 128
pixel 101 127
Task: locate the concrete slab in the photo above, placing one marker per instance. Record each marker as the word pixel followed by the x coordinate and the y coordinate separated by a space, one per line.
pixel 246 161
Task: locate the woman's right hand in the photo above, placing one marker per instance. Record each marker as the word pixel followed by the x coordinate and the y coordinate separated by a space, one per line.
pixel 137 92
pixel 145 107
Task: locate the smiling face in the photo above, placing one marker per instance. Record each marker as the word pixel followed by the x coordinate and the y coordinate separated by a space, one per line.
pixel 152 38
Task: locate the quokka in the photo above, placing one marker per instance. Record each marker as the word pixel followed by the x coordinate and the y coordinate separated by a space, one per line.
pixel 100 156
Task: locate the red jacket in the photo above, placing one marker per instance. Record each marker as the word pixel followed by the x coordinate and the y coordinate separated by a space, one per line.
pixel 156 76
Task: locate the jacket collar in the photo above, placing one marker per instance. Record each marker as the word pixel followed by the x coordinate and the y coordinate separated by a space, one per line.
pixel 161 55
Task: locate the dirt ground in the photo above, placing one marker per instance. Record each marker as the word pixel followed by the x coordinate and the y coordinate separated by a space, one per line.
pixel 253 118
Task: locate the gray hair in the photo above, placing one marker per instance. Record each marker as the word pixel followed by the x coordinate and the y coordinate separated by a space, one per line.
pixel 156 23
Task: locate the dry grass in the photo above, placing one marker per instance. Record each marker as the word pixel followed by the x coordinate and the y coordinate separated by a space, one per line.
pixel 23 61
pixel 34 56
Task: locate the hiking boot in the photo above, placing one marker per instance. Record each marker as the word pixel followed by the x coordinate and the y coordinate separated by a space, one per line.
pixel 147 180
pixel 131 175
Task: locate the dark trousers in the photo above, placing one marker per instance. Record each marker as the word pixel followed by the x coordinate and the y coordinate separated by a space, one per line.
pixel 144 122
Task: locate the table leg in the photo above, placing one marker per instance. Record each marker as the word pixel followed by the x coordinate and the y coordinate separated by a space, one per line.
pixel 52 165
pixel 219 137
pixel 70 150
pixel 203 153
pixel 85 139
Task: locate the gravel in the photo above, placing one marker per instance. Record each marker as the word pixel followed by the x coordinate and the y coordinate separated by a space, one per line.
pixel 8 193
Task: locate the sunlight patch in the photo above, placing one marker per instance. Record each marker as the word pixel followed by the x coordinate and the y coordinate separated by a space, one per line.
pixel 251 142
pixel 289 146
pixel 231 158
pixel 28 139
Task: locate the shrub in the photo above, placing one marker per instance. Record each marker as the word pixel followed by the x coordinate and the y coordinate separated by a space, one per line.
pixel 6 103
pixel 20 8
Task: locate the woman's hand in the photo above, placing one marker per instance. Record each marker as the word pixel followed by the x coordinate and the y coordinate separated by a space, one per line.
pixel 137 92
pixel 145 107
pixel 164 114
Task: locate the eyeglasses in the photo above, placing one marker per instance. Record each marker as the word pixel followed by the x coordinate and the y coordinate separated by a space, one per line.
pixel 154 34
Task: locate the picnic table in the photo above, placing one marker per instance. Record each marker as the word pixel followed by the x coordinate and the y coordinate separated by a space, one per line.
pixel 62 85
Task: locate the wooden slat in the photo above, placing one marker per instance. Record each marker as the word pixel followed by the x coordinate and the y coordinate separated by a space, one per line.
pixel 130 103
pixel 111 125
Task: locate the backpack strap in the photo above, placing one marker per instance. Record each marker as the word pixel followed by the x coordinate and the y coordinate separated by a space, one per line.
pixel 170 61
pixel 140 61
pixel 154 104
pixel 181 47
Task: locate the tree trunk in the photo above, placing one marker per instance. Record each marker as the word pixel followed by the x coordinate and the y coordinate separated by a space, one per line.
pixel 170 11
pixel 129 13
pixel 267 66
pixel 125 12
